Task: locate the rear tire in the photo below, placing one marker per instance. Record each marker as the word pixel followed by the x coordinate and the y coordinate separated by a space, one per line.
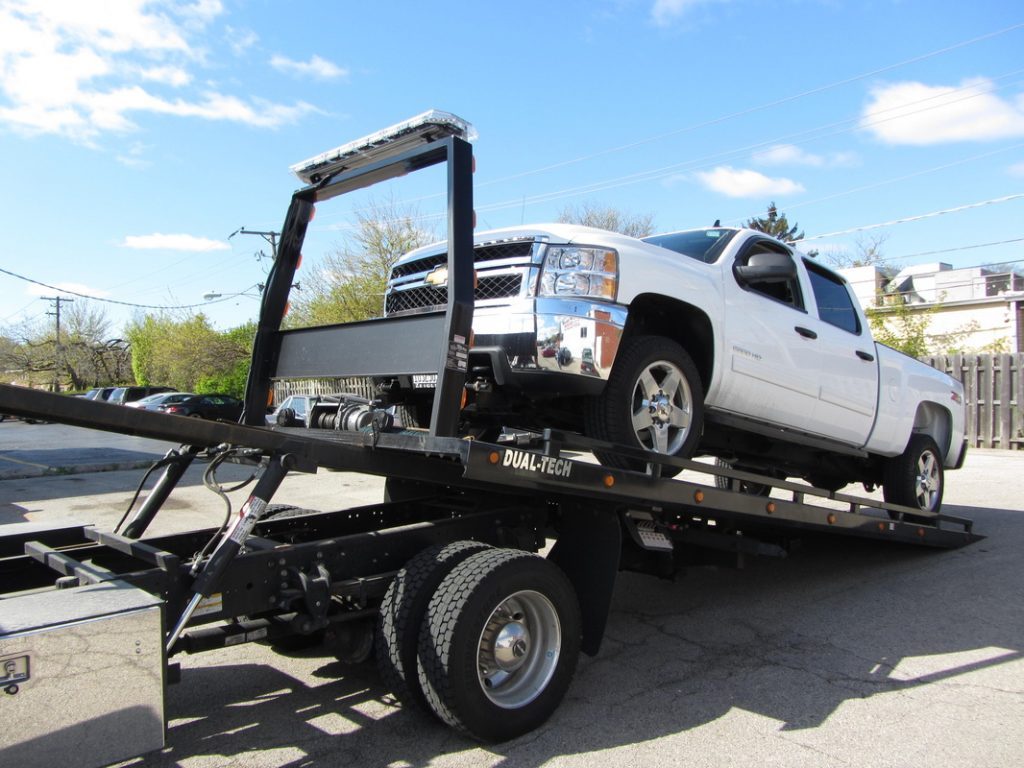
pixel 915 478
pixel 499 644
pixel 401 614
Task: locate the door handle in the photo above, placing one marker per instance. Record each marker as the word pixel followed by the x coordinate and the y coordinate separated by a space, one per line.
pixel 865 355
pixel 807 333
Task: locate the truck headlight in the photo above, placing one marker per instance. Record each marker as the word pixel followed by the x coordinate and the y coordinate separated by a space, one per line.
pixel 580 271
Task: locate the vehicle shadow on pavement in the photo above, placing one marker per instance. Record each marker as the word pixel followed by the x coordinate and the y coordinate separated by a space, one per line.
pixel 795 640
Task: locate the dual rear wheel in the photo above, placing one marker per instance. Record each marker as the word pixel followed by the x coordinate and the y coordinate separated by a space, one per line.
pixel 486 639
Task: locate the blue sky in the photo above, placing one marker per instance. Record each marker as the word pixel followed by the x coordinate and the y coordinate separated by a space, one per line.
pixel 136 136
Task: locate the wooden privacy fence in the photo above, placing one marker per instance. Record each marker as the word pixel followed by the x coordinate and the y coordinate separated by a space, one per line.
pixel 992 384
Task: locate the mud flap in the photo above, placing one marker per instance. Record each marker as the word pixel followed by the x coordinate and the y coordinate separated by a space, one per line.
pixel 587 550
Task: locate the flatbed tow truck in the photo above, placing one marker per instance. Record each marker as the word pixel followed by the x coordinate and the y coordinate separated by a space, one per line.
pixel 441 579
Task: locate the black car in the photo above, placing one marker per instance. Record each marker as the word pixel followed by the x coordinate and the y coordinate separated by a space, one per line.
pixel 221 407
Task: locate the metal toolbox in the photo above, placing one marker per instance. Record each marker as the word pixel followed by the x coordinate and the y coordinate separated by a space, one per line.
pixel 81 676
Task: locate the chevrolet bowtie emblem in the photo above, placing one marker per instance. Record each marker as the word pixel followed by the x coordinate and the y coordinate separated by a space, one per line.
pixel 438 276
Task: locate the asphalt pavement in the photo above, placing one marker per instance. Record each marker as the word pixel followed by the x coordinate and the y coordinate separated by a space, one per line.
pixel 41 449
pixel 846 653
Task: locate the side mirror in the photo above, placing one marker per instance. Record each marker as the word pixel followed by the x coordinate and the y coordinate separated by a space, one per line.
pixel 767 268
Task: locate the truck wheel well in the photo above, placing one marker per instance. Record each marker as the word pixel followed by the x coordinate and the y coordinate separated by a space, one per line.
pixel 654 315
pixel 933 420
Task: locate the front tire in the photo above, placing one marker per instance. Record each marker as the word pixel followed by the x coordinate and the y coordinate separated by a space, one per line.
pixel 915 478
pixel 654 400
pixel 499 644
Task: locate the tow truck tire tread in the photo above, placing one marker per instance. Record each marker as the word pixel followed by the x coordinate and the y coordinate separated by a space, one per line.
pixel 281 511
pixel 402 611
pixel 451 637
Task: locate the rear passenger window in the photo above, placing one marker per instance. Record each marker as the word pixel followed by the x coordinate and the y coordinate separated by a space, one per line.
pixel 835 306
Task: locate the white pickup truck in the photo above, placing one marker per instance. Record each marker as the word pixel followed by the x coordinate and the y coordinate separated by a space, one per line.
pixel 715 341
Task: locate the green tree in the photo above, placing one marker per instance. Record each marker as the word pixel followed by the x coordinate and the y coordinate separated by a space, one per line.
pixel 606 217
pixel 777 225
pixel 231 380
pixel 187 353
pixel 351 283
pixel 899 326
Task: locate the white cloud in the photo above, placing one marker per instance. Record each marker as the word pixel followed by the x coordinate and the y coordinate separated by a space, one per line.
pixel 738 182
pixel 158 241
pixel 664 12
pixel 787 154
pixel 790 154
pixel 240 40
pixel 80 70
pixel 315 67
pixel 1016 169
pixel 918 114
pixel 174 76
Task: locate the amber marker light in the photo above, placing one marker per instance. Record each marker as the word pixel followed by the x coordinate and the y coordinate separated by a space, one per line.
pixel 881 527
pixel 831 519
pixel 609 481
pixel 494 458
pixel 698 496
pixel 770 507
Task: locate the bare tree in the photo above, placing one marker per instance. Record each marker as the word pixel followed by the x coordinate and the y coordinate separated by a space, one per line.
pixel 867 252
pixel 609 218
pixel 351 283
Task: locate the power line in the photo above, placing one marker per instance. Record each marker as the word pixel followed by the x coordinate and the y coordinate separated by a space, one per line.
pixel 110 301
pixel 659 172
pixel 964 248
pixel 919 217
pixel 766 105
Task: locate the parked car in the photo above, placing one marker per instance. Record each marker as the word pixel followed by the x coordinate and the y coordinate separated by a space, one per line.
pixel 217 407
pixel 153 402
pixel 99 393
pixel 123 395
pixel 293 409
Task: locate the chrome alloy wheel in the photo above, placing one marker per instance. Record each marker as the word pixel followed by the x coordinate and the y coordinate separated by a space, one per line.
pixel 662 408
pixel 928 483
pixel 518 649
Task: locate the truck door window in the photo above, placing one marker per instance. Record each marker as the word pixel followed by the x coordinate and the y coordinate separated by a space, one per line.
pixel 835 306
pixel 785 291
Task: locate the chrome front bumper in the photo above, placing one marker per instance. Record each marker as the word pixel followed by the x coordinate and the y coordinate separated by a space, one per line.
pixel 572 337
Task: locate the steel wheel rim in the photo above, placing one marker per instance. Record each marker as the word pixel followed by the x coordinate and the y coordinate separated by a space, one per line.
pixel 927 484
pixel 518 649
pixel 662 408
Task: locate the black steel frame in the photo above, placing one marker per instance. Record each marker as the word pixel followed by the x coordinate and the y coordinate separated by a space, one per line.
pixel 381 347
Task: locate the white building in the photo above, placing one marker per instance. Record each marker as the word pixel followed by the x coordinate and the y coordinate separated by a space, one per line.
pixel 973 308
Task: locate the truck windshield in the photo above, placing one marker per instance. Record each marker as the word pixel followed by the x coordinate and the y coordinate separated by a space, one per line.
pixel 701 244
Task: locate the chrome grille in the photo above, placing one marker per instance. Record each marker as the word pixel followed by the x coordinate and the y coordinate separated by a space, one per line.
pixel 512 250
pixel 493 287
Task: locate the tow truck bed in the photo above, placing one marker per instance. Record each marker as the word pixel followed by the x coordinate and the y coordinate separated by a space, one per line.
pixel 458 516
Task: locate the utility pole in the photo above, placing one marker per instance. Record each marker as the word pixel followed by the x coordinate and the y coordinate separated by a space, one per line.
pixel 58 357
pixel 270 237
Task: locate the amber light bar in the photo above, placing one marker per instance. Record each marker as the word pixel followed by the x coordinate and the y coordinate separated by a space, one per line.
pixel 428 126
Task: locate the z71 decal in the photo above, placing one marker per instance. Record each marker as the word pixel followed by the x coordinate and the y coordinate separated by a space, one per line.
pixel 534 462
